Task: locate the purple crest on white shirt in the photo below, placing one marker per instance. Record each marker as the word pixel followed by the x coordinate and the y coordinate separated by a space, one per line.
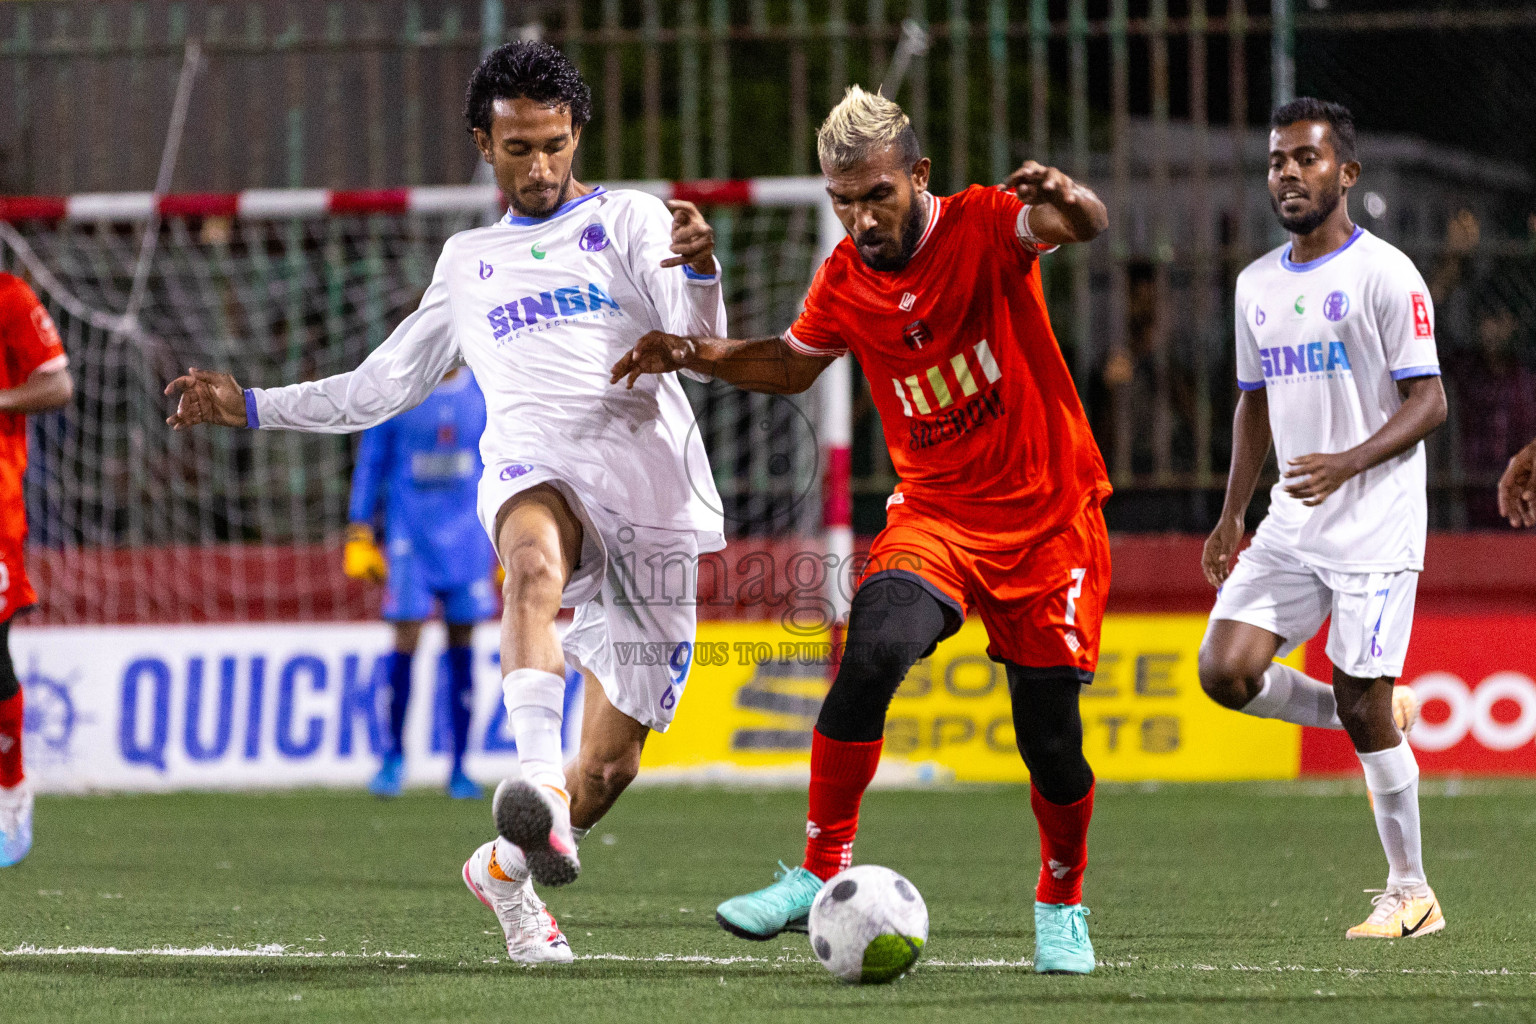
pixel 1336 306
pixel 594 238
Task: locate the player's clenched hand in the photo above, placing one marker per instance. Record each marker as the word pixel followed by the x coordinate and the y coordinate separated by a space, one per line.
pixel 692 238
pixel 655 352
pixel 1220 546
pixel 206 397
pixel 1314 477
pixel 1035 183
pixel 1517 488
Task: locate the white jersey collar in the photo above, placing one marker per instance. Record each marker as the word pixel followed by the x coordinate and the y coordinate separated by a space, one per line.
pixel 1302 268
pixel 519 221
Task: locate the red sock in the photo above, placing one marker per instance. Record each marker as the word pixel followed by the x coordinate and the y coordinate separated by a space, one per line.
pixel 840 772
pixel 10 740
pixel 1063 847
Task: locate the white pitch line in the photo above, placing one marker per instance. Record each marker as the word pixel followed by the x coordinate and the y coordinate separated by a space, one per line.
pixel 1469 972
pixel 277 950
pixel 270 950
pixel 678 958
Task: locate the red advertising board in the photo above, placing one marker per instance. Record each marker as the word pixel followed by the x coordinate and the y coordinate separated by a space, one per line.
pixel 1476 678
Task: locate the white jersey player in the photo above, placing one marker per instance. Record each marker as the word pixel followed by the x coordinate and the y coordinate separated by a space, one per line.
pixel 590 491
pixel 1336 361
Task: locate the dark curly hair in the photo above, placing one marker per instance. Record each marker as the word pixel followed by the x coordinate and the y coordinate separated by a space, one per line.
pixel 526 70
pixel 1340 122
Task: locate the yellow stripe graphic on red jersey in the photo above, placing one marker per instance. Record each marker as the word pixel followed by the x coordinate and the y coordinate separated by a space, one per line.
pixel 918 398
pixel 943 396
pixel 963 374
pixel 940 389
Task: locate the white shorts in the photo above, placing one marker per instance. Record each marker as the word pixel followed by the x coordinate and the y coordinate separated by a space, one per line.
pixel 1372 611
pixel 634 591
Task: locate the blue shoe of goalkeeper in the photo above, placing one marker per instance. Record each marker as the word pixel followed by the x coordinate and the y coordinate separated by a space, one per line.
pixel 462 787
pixel 391 777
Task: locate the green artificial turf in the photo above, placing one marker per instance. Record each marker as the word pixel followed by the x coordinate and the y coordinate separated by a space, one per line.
pixel 1210 903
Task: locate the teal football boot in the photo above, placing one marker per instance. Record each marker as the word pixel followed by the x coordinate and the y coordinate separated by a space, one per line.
pixel 15 823
pixel 1061 939
pixel 783 906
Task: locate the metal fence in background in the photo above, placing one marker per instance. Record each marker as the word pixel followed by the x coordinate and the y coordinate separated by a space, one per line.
pixel 1158 103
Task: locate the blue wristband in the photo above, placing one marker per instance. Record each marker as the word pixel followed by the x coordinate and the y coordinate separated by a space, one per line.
pixel 252 421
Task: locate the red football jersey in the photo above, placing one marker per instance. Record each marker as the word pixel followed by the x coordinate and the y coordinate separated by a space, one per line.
pixel 30 343
pixel 980 412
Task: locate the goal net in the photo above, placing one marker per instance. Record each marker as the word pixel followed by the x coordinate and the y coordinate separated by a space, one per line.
pixel 132 522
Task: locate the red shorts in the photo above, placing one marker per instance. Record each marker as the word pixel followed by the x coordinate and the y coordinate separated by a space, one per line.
pixel 1042 606
pixel 16 590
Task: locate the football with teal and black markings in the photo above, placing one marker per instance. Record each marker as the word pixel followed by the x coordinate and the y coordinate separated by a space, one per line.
pixel 868 924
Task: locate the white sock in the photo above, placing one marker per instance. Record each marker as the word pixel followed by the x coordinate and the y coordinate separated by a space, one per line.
pixel 511 860
pixel 1392 776
pixel 1291 696
pixel 534 701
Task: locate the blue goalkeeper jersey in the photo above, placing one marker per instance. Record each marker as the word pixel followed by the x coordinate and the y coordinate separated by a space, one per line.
pixel 425 466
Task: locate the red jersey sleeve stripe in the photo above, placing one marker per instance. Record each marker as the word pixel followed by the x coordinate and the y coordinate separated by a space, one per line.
pixel 811 350
pixel 1032 244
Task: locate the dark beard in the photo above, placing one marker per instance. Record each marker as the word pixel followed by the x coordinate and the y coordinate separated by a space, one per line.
pixel 911 231
pixel 564 194
pixel 1310 222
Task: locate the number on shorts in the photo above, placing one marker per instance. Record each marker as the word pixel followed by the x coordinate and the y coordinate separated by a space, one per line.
pixel 681 660
pixel 1376 629
pixel 1073 593
pixel 5 577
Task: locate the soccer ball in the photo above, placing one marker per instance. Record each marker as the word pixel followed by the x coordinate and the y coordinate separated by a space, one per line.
pixel 868 924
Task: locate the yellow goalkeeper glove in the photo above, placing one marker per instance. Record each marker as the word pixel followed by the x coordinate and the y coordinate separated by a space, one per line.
pixel 361 559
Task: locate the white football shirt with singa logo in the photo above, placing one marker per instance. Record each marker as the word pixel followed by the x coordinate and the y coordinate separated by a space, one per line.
pixel 540 309
pixel 1329 340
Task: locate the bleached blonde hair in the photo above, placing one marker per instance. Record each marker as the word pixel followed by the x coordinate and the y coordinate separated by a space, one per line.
pixel 860 125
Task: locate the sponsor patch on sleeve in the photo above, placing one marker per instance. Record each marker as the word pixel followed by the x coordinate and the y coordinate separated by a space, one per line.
pixel 1421 327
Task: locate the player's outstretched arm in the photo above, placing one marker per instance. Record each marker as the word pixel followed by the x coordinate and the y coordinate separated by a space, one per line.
pixel 1517 488
pixel 1313 477
pixel 396 376
pixel 766 365
pixel 1061 210
pixel 40 392
pixel 1250 447
pixel 206 397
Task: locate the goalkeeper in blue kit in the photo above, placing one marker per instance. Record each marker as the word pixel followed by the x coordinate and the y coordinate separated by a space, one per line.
pixel 424 466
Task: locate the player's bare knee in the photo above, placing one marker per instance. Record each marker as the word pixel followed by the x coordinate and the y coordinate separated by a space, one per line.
pixel 612 773
pixel 1228 678
pixel 1361 717
pixel 531 575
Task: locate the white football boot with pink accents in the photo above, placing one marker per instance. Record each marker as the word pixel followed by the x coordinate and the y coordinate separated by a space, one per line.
pixel 533 936
pixel 537 820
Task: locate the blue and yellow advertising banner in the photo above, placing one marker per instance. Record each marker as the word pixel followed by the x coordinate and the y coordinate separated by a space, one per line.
pixel 756 688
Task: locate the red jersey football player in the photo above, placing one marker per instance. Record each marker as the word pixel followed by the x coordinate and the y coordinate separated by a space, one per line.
pixel 998 509
pixel 33 378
